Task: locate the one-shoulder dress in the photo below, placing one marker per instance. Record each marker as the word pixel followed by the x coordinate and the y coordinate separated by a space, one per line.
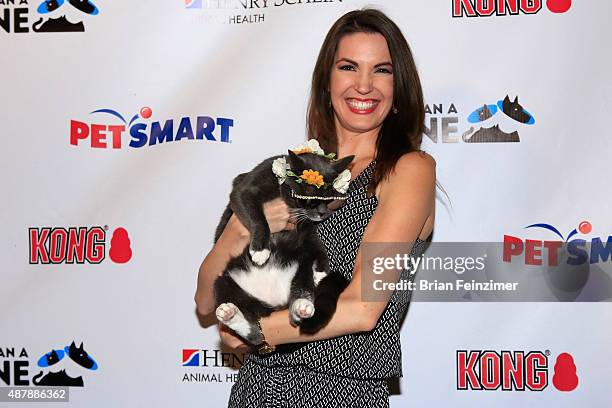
pixel 345 371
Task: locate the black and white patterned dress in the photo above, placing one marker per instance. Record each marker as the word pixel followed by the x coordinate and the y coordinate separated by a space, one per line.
pixel 345 371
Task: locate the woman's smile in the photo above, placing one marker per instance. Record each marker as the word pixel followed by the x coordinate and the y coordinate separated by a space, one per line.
pixel 362 106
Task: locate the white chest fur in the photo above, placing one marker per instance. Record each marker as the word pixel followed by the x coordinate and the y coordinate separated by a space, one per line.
pixel 270 283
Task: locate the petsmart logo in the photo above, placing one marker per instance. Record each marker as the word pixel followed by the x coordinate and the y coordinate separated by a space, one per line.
pixel 513 371
pixel 56 245
pixel 488 8
pixel 111 133
pixel 579 251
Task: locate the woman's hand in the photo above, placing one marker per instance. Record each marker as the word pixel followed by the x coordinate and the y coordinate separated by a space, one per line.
pixel 277 215
pixel 231 340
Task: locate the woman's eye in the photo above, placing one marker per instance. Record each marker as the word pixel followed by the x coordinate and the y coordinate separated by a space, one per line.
pixel 384 70
pixel 346 67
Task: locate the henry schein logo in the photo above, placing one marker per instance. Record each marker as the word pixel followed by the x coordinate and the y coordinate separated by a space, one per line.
pixel 488 370
pixel 488 8
pixel 52 16
pixel 214 361
pixel 56 245
pixel 488 123
pixel 211 358
pixel 579 250
pixel 115 128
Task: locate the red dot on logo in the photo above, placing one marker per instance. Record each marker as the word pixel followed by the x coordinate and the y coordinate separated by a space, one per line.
pixel 565 377
pixel 146 112
pixel 585 227
pixel 558 6
pixel 120 248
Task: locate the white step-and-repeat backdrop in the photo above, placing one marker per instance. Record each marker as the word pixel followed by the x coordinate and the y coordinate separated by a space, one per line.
pixel 124 122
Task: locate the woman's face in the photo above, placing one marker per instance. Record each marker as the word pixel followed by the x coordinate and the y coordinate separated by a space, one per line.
pixel 361 84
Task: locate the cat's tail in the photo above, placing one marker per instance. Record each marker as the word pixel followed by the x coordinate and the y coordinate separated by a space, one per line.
pixel 325 301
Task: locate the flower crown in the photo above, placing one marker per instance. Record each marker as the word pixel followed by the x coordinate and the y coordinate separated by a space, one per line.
pixel 282 170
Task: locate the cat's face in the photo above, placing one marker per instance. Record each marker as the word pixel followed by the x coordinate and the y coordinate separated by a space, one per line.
pixel 305 199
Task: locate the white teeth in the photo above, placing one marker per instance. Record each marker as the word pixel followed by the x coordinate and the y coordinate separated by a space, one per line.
pixel 361 105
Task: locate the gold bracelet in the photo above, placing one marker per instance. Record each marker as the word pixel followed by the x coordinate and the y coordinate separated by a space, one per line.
pixel 264 347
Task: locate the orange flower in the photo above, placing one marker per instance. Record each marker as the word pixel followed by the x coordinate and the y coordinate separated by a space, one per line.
pixel 302 150
pixel 312 177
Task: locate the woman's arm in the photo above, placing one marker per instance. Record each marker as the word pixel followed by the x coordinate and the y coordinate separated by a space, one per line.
pixel 405 202
pixel 231 242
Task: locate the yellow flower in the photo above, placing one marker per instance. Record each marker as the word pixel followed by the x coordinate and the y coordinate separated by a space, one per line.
pixel 312 177
pixel 302 150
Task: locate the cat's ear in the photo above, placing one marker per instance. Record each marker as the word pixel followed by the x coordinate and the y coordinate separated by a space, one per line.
pixel 516 99
pixel 294 161
pixel 343 163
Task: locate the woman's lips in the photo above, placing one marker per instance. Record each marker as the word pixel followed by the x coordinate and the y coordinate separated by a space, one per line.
pixel 362 106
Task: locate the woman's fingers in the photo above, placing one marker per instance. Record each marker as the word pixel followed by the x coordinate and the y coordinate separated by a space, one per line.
pixel 277 215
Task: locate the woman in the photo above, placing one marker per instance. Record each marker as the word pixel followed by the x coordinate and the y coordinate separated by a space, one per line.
pixel 366 100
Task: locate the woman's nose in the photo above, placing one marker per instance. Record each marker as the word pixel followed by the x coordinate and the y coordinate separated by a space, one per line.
pixel 363 82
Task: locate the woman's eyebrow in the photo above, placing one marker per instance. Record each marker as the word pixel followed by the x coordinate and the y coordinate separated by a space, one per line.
pixel 356 64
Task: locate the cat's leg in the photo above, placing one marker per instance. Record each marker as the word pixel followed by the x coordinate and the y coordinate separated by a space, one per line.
pixel 301 296
pixel 320 267
pixel 326 292
pixel 227 214
pixel 249 209
pixel 238 310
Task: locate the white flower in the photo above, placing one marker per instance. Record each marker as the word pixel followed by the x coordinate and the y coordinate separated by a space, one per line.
pixel 280 167
pixel 313 144
pixel 341 183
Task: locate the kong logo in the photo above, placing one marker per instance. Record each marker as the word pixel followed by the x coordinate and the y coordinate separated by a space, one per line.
pixel 51 15
pixel 113 131
pixel 57 245
pixel 484 122
pixel 488 8
pixel 488 370
pixel 53 366
pixel 579 250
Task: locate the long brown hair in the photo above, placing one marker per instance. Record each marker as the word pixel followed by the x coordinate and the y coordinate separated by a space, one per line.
pixel 401 132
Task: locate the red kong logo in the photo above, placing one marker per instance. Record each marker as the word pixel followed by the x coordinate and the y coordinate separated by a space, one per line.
pixel 513 371
pixel 487 8
pixel 56 245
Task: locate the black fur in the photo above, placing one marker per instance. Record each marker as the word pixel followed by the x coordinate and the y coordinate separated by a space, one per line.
pixel 302 245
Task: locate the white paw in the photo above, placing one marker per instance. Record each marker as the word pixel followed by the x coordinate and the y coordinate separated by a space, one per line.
pixel 226 311
pixel 260 257
pixel 302 309
pixel 318 275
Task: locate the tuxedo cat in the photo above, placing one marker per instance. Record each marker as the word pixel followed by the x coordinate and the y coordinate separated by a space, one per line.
pixel 290 268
